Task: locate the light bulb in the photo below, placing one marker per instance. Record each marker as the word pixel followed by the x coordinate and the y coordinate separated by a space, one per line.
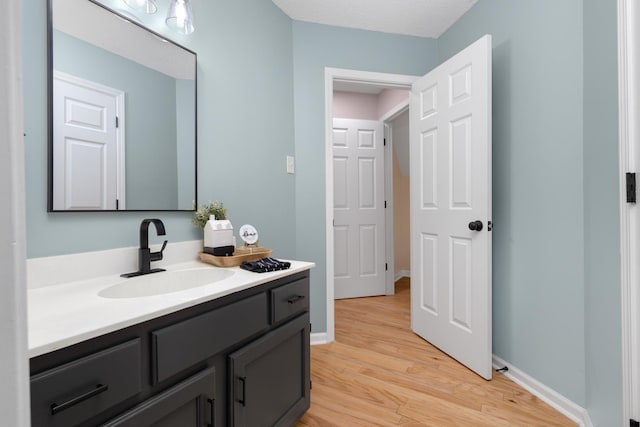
pixel 180 17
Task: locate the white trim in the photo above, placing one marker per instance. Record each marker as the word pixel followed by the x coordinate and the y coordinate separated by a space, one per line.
pixel 319 338
pixel 14 362
pixel 328 161
pixel 402 273
pixel 395 111
pixel 629 147
pixel 121 193
pixel 390 289
pixel 330 74
pixel 568 408
pixel 387 118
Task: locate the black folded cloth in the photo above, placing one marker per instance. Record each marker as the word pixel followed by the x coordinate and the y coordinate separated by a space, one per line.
pixel 264 265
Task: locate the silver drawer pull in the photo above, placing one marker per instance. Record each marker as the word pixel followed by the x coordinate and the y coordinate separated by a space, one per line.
pixel 295 298
pixel 100 388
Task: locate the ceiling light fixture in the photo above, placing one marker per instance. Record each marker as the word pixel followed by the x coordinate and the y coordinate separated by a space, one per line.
pixel 146 6
pixel 180 17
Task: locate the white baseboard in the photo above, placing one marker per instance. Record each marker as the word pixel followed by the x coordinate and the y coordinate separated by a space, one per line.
pixel 319 338
pixel 400 274
pixel 551 397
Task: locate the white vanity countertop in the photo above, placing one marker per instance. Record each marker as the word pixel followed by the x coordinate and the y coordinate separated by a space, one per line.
pixel 66 314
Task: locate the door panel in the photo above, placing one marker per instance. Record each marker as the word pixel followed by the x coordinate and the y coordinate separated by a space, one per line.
pixel 460 173
pixel 429 272
pixel 450 188
pixel 84 181
pixel 359 217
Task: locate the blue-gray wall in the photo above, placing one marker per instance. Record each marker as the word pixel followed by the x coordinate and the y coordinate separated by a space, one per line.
pixel 150 113
pixel 314 48
pixel 601 214
pixel 245 132
pixel 185 148
pixel 556 256
pixel 538 259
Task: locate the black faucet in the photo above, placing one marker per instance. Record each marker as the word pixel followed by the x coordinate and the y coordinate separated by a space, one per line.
pixel 145 256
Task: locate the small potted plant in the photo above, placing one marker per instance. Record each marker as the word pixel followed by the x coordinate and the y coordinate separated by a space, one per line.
pixel 203 213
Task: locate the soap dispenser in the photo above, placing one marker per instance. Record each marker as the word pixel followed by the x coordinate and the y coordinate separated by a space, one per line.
pixel 218 237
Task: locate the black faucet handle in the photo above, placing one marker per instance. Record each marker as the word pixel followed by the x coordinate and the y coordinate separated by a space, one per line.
pixel 157 256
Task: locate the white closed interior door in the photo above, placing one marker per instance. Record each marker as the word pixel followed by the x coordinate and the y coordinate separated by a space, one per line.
pixel 451 190
pixel 358 208
pixel 84 145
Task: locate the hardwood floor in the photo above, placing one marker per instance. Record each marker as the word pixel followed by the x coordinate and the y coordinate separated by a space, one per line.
pixel 379 373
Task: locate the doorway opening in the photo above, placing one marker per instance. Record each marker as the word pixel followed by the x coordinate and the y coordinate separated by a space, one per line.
pixel 370 135
pixel 344 79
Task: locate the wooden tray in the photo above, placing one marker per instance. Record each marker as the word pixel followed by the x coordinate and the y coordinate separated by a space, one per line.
pixel 240 255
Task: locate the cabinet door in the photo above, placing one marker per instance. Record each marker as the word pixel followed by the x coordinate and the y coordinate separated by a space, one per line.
pixel 269 381
pixel 189 403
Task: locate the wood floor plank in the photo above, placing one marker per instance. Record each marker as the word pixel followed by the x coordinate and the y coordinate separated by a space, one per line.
pixel 379 373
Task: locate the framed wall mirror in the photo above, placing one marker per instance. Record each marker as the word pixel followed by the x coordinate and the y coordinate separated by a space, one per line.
pixel 122 114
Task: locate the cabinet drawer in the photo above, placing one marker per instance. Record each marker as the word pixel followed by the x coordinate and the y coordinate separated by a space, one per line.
pixel 191 341
pixel 289 300
pixel 74 392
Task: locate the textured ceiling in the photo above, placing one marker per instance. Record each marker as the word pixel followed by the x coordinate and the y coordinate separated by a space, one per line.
pixel 423 18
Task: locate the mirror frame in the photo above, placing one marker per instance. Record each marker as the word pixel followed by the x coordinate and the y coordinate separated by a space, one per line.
pixel 50 115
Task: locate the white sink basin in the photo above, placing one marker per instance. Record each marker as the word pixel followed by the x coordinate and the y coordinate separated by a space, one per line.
pixel 165 282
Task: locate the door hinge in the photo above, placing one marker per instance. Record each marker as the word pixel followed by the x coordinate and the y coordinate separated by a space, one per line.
pixel 634 423
pixel 631 187
pixel 386 266
pixel 117 122
pixel 385 204
pixel 384 142
pixel 117 204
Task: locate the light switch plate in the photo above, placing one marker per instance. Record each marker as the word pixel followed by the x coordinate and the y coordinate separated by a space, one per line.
pixel 291 168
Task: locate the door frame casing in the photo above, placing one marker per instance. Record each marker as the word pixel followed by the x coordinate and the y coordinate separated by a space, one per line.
pixel 14 355
pixel 386 120
pixel 629 147
pixel 399 81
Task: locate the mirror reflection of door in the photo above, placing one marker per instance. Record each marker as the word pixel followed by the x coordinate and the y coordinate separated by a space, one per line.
pixel 88 145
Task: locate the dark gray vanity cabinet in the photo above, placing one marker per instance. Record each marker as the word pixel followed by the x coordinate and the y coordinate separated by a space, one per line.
pixel 240 360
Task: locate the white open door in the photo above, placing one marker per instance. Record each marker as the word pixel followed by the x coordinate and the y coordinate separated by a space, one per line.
pixel 450 199
pixel 88 159
pixel 358 207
